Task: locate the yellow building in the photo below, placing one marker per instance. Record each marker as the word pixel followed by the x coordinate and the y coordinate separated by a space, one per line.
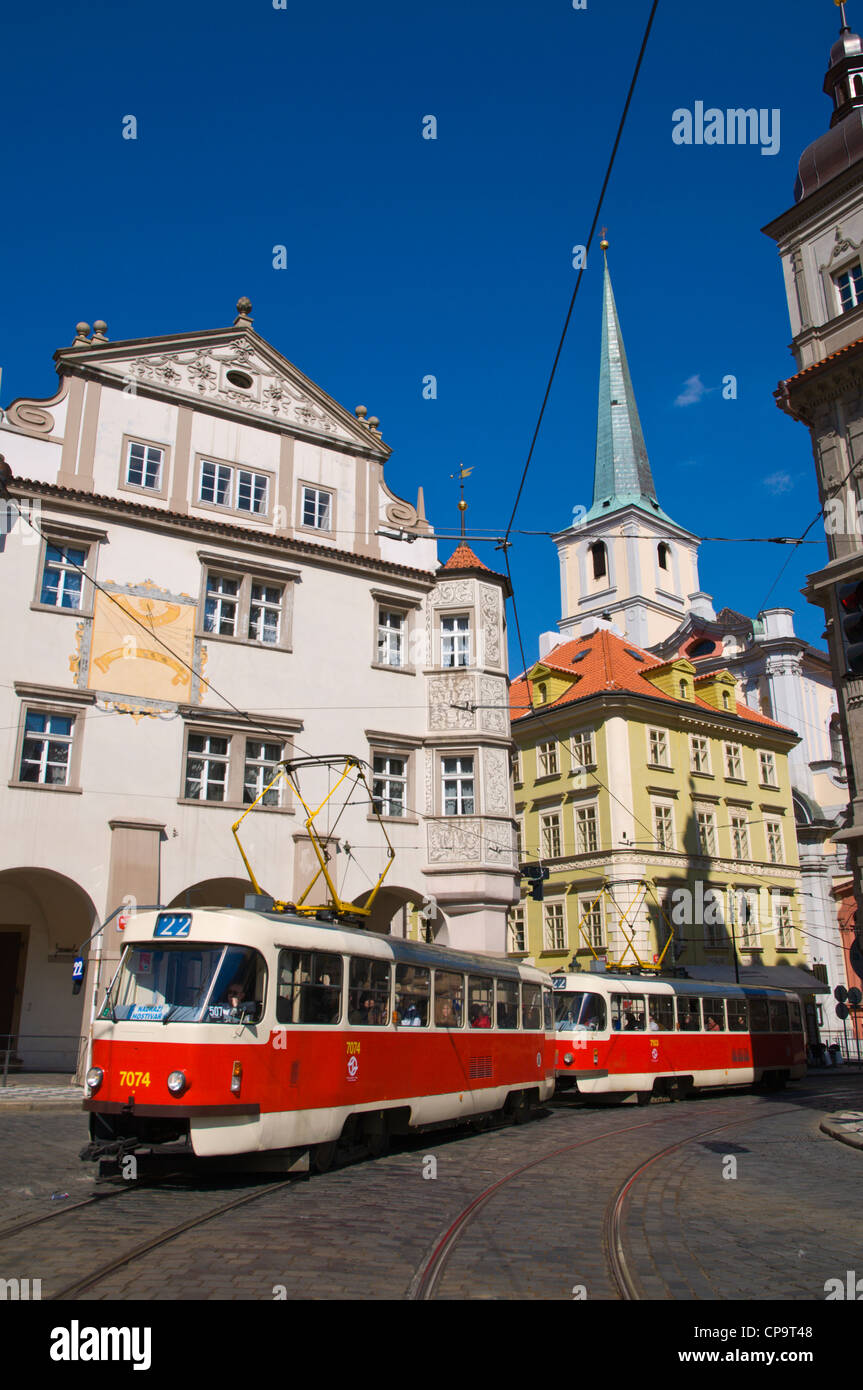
pixel 662 810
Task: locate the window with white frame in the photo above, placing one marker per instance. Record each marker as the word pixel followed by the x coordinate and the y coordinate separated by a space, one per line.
pixel 849 285
pixel 740 835
pixel 516 930
pixel 262 764
pixel 233 768
pixel 144 466
pixel 389 784
pixel 783 923
pixel 734 761
pixel 265 613
pixel 455 640
pixel 590 917
pixel 659 752
pixel 714 917
pixel 207 762
pixel 317 509
pixel 767 764
pixel 550 835
pixel 775 851
pixel 63 575
pixel 221 605
pixel 586 830
pixel 246 607
pixel 663 825
pixel 391 637
pixel 517 773
pixel 699 753
pixel 458 786
pixel 745 907
pixel 554 927
pixel 46 750
pixel 705 825
pixel 236 489
pixel 546 759
pixel 583 754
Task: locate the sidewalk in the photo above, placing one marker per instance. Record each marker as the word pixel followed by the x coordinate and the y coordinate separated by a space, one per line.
pixel 846 1127
pixel 40 1091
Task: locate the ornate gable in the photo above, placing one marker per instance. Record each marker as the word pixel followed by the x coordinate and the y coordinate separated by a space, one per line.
pixel 234 371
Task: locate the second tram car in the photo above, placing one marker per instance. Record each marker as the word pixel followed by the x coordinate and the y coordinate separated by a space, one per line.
pixel 644 1036
pixel 234 1032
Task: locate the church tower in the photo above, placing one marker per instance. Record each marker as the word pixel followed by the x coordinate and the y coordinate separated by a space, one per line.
pixel 625 563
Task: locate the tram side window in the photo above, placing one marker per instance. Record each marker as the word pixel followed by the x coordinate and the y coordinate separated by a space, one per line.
pixel 507 1003
pixel 738 1016
pixel 480 1001
pixel 688 1014
pixel 310 987
pixel 714 1015
pixel 759 1016
pixel 548 1010
pixel 531 1006
pixel 580 1013
pixel 627 1013
pixel 661 1013
pixel 448 999
pixel 369 992
pixel 779 1016
pixel 413 987
pixel 796 1016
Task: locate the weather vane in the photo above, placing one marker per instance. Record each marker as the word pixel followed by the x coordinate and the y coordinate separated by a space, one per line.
pixel 461 475
pixel 840 4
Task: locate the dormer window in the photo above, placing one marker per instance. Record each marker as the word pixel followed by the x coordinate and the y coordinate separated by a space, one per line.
pixel 684 690
pixel 600 568
pixel 662 553
pixel 850 287
pixel 726 702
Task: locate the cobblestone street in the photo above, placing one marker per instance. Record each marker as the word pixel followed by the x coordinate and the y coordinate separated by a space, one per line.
pixel 689 1229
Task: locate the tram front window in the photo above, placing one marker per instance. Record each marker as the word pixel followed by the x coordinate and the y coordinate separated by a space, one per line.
pixel 579 1013
pixel 187 984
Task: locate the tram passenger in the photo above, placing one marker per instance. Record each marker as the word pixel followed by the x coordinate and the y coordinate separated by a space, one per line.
pixel 712 1024
pixel 365 1013
pixel 479 1017
pixel 445 1013
pixel 411 1017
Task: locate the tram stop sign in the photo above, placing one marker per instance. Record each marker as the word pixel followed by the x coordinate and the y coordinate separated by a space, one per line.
pixel 840 994
pixel 842 1011
pixel 855 997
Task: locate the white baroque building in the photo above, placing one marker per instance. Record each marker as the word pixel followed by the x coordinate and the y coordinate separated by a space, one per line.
pixel 205 572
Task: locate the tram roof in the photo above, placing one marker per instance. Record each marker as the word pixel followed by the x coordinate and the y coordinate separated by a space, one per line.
pixel 307 931
pixel 753 980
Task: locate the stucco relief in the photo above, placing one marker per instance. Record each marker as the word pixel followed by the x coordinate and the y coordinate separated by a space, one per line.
pixel 453 591
pixel 500 843
pixel 496 793
pixel 26 415
pixel 454 841
pixel 489 609
pixel 446 691
pixel 494 710
pixel 203 372
pixel 429 776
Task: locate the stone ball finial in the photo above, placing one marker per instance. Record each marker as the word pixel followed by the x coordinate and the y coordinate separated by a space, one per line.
pixel 82 334
pixel 100 329
pixel 244 308
pixel 373 422
pixel 361 412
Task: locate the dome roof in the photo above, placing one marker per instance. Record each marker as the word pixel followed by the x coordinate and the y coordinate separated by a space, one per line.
pixel 831 154
pixel 847 45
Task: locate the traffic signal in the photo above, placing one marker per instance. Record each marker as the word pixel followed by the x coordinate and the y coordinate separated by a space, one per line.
pixel 536 875
pixel 850 599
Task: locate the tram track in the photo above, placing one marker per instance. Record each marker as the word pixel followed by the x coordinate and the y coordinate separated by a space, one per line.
pixel 427 1277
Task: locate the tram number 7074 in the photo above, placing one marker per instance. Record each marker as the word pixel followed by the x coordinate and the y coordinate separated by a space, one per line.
pixel 134 1078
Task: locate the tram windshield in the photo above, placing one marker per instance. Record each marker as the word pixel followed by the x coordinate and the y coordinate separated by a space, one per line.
pixel 579 1013
pixel 187 984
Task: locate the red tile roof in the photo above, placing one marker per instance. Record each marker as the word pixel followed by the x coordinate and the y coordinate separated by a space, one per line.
pixel 611 664
pixel 831 357
pixel 463 558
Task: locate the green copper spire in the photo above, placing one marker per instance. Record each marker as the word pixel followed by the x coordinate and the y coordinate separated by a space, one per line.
pixel 622 475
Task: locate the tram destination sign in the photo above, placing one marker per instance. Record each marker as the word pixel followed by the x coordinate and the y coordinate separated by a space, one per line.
pixel 173 924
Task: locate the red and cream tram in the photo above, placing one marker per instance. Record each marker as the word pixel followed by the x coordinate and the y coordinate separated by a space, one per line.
pixel 646 1036
pixel 237 1032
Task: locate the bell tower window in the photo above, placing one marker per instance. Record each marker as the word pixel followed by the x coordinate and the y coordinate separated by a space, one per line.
pixel 662 553
pixel 600 568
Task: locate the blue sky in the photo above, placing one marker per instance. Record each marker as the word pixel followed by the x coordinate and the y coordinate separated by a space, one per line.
pixel 408 257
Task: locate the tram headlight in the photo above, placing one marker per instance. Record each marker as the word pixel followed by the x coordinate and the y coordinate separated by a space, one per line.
pixel 567 1057
pixel 177 1083
pixel 95 1077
